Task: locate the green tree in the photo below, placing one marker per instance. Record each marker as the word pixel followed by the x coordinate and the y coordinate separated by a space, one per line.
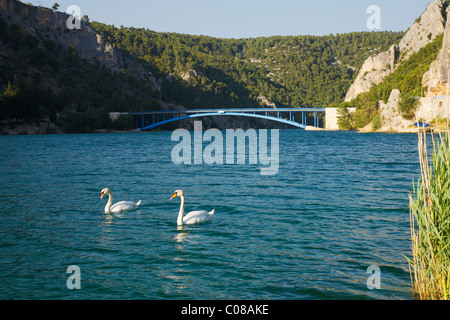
pixel 8 101
pixel 123 122
pixel 345 120
pixel 407 105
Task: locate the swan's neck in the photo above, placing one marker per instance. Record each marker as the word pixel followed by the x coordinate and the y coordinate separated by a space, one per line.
pixel 109 203
pixel 180 215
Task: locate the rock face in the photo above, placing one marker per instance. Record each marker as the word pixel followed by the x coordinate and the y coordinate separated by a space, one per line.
pixel 435 80
pixel 428 110
pixel 430 25
pixel 373 71
pixel 433 108
pixel 193 74
pixel 86 41
pixel 265 102
pixel 376 68
pixel 53 25
pixel 391 118
pixel 43 127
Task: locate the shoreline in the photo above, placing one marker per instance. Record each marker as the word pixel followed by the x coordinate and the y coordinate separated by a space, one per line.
pixel 21 132
pixel 47 127
pixel 29 128
pixel 405 130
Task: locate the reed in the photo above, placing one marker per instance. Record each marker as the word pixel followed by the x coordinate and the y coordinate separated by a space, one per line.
pixel 429 205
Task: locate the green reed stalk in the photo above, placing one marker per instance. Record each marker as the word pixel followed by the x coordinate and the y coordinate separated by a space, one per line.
pixel 429 206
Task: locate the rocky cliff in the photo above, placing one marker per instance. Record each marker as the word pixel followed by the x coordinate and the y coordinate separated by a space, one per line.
pixel 424 30
pixel 51 24
pixel 373 71
pixel 436 79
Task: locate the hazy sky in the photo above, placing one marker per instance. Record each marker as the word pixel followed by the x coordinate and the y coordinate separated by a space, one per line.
pixel 248 18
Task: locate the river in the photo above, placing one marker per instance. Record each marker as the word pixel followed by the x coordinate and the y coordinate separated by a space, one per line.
pixel 336 206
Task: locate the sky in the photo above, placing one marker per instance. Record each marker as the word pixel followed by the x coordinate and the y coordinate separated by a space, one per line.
pixel 249 18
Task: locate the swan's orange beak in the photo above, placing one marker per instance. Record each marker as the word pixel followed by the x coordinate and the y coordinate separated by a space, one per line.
pixel 101 196
pixel 173 196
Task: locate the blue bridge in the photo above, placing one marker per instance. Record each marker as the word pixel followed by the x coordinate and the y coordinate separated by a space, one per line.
pixel 297 117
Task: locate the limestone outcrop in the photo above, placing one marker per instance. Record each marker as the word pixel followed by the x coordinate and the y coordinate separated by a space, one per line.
pixel 373 71
pixel 391 118
pixel 435 80
pixel 90 45
pixel 263 101
pixel 429 110
pixel 424 30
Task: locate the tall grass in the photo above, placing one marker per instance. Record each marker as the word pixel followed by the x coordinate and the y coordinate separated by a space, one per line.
pixel 429 206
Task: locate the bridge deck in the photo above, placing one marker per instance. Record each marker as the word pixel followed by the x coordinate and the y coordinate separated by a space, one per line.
pixel 146 120
pixel 244 110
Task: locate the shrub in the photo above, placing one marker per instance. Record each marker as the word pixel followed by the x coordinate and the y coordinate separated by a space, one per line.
pixel 407 106
pixel 123 122
pixel 429 206
pixel 376 122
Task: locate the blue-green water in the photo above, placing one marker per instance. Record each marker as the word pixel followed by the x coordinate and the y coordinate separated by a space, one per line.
pixel 336 207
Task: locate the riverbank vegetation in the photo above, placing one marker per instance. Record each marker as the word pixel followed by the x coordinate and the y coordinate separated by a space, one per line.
pixel 429 206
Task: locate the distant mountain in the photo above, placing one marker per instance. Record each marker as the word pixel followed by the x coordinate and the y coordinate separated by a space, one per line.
pixel 75 77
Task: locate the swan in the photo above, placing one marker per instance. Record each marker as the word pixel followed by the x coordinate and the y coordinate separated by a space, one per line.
pixel 119 206
pixel 192 217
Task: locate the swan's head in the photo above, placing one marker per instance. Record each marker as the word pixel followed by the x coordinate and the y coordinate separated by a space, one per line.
pixel 104 191
pixel 177 193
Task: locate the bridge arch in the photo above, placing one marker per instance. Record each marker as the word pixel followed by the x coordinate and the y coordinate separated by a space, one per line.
pixel 292 123
pixel 289 122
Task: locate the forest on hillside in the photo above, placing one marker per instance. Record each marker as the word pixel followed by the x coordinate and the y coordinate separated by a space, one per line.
pixel 290 71
pixel 40 79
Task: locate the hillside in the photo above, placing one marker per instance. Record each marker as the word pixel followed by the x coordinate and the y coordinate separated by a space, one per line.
pixel 301 71
pixel 75 77
pixel 68 77
pixel 394 86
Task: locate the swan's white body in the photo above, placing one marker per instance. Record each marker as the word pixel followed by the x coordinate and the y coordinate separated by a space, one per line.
pixel 193 217
pixel 119 206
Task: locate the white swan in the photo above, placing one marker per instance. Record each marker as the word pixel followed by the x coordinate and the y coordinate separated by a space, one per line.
pixel 192 217
pixel 119 206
